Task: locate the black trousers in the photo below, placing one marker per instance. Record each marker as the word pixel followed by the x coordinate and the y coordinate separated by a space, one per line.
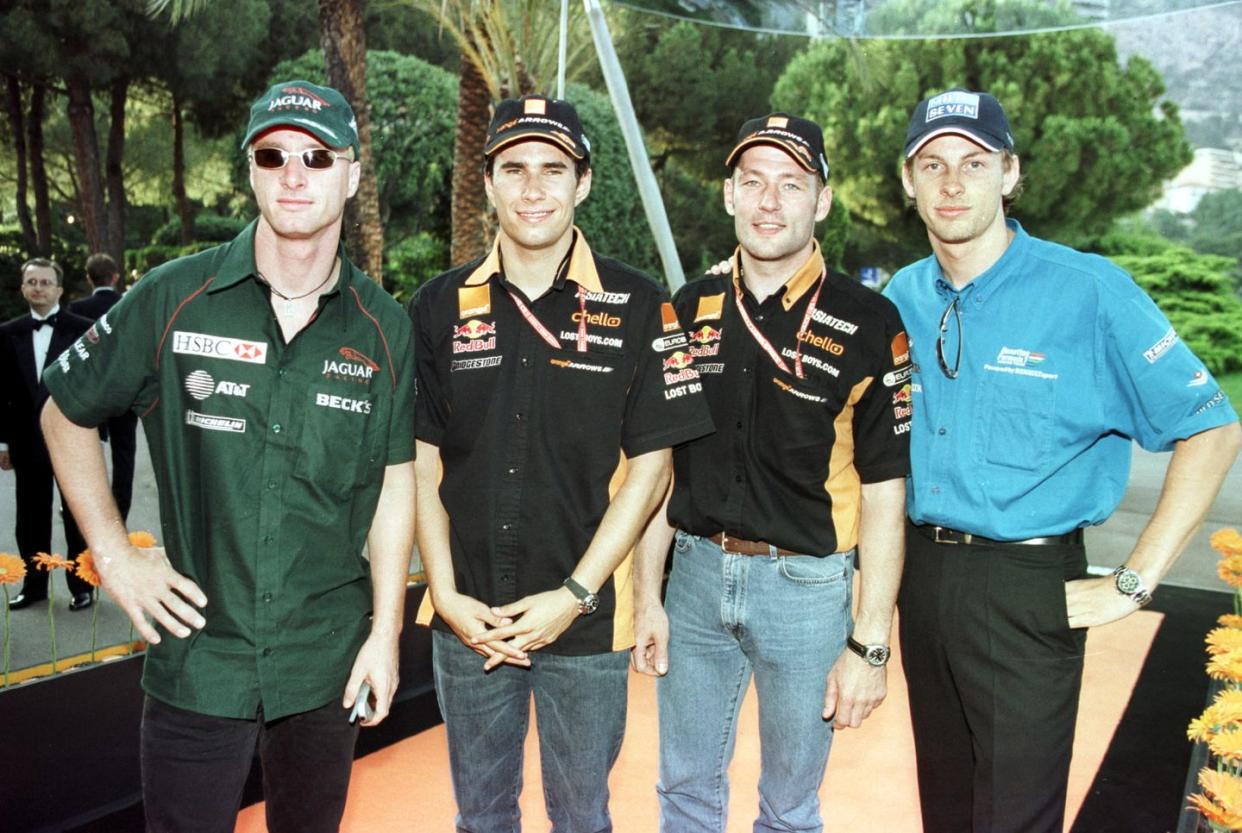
pixel 194 767
pixel 994 672
pixel 123 443
pixel 33 488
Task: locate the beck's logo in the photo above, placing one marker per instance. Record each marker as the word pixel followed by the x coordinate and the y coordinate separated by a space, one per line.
pixel 217 347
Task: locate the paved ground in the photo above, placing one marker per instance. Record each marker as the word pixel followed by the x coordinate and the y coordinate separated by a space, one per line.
pixel 1108 546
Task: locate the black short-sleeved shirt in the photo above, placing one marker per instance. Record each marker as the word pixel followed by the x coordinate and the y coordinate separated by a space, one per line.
pixel 269 459
pixel 533 438
pixel 789 455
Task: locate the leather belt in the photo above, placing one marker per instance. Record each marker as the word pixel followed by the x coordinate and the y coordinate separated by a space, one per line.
pixel 740 546
pixel 944 535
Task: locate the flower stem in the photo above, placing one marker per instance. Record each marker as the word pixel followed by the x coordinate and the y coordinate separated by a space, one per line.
pixel 51 615
pixel 7 637
pixel 94 621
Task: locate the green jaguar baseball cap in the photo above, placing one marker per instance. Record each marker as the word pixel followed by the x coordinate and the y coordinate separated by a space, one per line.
pixel 321 111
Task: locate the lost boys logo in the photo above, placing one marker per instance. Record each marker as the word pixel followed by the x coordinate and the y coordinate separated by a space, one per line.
pixel 297 98
pixel 353 366
pixel 476 336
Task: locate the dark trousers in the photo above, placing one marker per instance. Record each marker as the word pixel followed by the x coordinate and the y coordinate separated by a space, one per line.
pixel 194 767
pixel 33 487
pixel 994 672
pixel 123 442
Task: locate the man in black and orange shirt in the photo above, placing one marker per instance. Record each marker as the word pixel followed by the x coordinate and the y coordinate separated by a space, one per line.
pixel 547 411
pixel 806 375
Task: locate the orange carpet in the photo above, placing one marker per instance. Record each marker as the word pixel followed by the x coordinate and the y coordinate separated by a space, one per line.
pixel 870 783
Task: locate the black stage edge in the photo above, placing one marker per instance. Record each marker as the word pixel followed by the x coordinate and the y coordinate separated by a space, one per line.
pixel 105 792
pixel 1139 786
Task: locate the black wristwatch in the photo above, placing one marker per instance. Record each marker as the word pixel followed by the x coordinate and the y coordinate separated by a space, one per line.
pixel 587 601
pixel 876 655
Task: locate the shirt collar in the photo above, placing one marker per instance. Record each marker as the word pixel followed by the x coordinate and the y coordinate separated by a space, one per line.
pixel 797 285
pixel 983 286
pixel 99 289
pixel 581 265
pixel 50 313
pixel 238 264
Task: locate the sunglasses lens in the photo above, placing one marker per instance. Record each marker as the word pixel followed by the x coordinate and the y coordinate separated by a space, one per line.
pixel 318 158
pixel 269 157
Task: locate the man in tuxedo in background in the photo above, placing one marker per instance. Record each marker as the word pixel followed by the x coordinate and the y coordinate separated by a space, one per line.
pixel 121 431
pixel 27 345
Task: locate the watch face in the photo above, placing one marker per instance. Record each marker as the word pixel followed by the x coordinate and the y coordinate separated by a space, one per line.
pixel 589 604
pixel 877 655
pixel 1128 582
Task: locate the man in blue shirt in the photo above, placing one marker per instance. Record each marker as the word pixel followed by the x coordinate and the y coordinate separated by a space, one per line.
pixel 1035 366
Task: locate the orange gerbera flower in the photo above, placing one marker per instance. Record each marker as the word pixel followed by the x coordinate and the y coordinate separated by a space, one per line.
pixel 142 538
pixel 1200 730
pixel 1223 640
pixel 1230 620
pixel 1226 542
pixel 1226 666
pixel 1228 745
pixel 1229 568
pixel 12 568
pixel 51 562
pixel 1225 805
pixel 85 568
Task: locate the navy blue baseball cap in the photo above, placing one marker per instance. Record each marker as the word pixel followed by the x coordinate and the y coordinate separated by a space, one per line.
pixel 977 116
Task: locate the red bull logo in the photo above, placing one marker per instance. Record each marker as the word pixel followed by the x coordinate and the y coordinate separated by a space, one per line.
pixel 679 360
pixel 705 335
pixel 474 329
pixel 902 396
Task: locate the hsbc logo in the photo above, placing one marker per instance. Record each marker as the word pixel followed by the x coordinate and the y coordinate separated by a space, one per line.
pixel 216 347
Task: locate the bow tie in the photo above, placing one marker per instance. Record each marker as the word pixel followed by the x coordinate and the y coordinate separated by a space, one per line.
pixel 50 321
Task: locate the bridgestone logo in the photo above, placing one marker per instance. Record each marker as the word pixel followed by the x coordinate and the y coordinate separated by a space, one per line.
pixel 216 347
pixel 215 423
pixel 474 364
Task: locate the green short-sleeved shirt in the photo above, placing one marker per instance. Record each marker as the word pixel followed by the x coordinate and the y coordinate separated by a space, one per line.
pixel 269 459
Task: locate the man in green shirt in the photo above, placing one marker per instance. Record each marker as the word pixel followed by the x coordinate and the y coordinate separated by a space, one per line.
pixel 274 381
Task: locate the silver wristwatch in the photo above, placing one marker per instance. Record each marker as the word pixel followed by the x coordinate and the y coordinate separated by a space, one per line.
pixel 587 601
pixel 876 655
pixel 1130 584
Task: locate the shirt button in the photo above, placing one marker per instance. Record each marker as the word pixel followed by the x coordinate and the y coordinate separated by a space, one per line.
pixel 517 417
pixel 267 539
pixel 942 431
pixel 267 597
pixel 739 425
pixel 935 490
pixel 276 428
pixel 512 470
pixel 267 652
pixel 738 478
pixel 282 372
pixel 506 579
pixel 271 484
pixel 525 361
pixel 506 527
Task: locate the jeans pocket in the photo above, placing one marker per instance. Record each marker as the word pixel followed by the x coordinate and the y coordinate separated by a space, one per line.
pixel 681 542
pixel 814 570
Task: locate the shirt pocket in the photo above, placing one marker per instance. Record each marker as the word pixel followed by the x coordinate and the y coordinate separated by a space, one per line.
pixel 339 446
pixel 1015 420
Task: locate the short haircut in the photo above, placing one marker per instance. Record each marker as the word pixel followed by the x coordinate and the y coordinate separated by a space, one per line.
pixel 101 268
pixel 44 263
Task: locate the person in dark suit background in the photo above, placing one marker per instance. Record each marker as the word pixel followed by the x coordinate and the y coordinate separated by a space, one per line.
pixel 122 431
pixel 27 345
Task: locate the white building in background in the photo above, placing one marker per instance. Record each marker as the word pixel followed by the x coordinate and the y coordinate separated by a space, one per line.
pixel 1213 169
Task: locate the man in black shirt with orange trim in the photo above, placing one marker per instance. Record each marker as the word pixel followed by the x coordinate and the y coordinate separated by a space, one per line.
pixel 548 412
pixel 806 375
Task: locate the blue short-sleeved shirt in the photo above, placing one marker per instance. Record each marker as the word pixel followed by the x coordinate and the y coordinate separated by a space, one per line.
pixel 1064 361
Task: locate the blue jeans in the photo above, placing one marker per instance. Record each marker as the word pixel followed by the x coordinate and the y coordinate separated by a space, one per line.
pixel 783 619
pixel 580 702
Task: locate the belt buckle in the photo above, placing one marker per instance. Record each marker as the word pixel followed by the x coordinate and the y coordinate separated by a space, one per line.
pixel 724 543
pixel 948 536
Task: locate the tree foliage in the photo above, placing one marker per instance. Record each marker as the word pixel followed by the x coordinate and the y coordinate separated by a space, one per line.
pixel 1194 290
pixel 1095 137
